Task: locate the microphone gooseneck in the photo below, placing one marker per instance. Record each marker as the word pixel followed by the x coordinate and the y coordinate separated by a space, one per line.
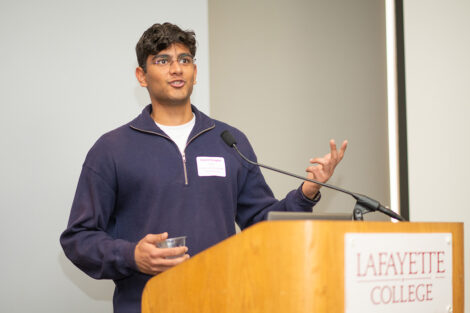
pixel 363 205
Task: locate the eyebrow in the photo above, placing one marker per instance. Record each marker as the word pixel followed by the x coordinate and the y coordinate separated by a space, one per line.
pixel 168 56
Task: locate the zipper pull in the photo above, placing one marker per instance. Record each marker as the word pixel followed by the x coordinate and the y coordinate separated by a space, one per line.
pixel 184 169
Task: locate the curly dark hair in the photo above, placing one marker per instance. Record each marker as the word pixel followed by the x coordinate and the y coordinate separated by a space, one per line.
pixel 159 37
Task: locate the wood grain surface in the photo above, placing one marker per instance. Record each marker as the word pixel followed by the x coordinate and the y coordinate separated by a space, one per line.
pixel 279 266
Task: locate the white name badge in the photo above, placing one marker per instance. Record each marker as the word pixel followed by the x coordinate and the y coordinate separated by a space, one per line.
pixel 210 166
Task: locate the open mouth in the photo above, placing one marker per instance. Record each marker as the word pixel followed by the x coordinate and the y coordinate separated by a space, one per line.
pixel 177 83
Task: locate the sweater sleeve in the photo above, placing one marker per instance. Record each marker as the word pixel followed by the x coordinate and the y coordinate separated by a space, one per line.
pixel 87 241
pixel 255 198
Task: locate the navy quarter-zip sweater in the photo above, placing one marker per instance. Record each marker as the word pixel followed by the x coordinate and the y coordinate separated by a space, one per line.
pixel 135 182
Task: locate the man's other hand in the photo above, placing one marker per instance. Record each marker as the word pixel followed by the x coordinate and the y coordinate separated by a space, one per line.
pixel 152 260
pixel 323 169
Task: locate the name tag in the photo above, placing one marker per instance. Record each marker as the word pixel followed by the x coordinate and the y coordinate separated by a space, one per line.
pixel 211 166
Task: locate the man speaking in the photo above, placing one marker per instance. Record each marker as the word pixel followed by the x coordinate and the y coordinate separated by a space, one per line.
pixel 168 172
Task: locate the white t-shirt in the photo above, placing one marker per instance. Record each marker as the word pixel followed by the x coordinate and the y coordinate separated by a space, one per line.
pixel 179 133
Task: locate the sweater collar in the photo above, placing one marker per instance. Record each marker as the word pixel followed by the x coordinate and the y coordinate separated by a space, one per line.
pixel 145 123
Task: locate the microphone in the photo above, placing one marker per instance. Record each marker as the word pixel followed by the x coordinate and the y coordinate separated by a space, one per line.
pixel 363 205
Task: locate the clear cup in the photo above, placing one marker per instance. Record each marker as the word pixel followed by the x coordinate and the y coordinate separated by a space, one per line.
pixel 172 243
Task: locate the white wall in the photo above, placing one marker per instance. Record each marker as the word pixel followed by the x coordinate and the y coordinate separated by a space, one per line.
pixel 437 50
pixel 66 77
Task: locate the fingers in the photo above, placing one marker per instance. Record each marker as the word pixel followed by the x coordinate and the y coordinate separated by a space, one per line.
pixel 314 169
pixel 173 261
pixel 334 155
pixel 154 238
pixel 159 265
pixel 172 252
pixel 166 258
pixel 333 151
pixel 343 149
pixel 321 161
pixel 324 166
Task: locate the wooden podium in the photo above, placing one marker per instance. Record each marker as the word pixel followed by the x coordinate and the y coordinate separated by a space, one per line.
pixel 280 266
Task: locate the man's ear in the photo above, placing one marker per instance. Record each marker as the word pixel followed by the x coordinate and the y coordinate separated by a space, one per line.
pixel 140 75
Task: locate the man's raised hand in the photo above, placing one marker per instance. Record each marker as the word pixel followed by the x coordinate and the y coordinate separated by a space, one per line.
pixel 323 168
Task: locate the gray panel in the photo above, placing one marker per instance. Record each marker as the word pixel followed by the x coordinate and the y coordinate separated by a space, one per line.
pixel 294 74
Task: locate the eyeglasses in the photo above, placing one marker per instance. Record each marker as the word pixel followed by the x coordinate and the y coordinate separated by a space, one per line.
pixel 166 60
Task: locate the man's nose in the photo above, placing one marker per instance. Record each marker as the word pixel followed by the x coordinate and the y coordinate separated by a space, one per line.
pixel 175 67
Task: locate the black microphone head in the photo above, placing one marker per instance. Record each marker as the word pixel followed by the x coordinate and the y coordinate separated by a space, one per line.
pixel 228 138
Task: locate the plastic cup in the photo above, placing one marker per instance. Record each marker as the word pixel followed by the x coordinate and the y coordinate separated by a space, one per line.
pixel 172 243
